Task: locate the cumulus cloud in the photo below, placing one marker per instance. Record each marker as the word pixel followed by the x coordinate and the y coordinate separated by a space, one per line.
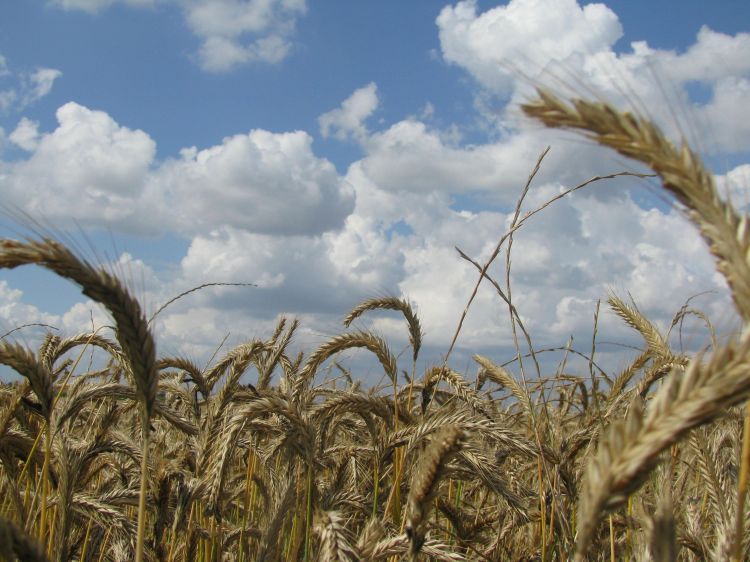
pixel 723 130
pixel 92 170
pixel 712 57
pixel 349 119
pixel 525 33
pixel 409 156
pixel 89 169
pixel 232 32
pixel 29 323
pixel 735 185
pixel 235 32
pixel 14 312
pixel 563 261
pixel 401 237
pixel 508 49
pixel 259 182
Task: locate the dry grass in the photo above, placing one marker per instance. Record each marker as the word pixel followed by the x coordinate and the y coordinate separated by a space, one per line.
pixel 155 458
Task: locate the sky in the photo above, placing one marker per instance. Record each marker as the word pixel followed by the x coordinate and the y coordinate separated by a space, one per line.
pixel 330 152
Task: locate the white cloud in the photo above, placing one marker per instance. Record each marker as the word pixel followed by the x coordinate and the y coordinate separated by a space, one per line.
pixel 40 84
pixel 411 156
pixel 232 32
pixel 14 312
pixel 26 134
pixel 349 119
pixel 527 34
pixel 259 182
pixel 84 317
pixel 735 185
pixel 300 273
pixel 712 57
pixel 92 170
pixel 220 54
pixel 724 131
pixel 88 169
pixel 561 45
pixel 563 261
pixel 235 32
pixel 30 87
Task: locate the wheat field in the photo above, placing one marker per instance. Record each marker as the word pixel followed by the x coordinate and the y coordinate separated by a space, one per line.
pixel 155 458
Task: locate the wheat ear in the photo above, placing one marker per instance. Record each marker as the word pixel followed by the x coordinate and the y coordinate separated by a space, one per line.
pixel 446 443
pixel 341 343
pixel 392 303
pixel 682 174
pixel 132 331
pixel 631 449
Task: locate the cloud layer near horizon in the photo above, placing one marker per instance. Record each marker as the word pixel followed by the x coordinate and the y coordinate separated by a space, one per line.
pixel 263 207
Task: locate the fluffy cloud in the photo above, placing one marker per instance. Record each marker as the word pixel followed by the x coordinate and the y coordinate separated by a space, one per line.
pixel 735 185
pixel 562 262
pixel 699 61
pixel 235 32
pixel 260 182
pixel 14 312
pixel 401 238
pixel 722 129
pixel 92 170
pixel 526 34
pixel 232 32
pixel 7 99
pixel 89 169
pixel 569 48
pixel 348 120
pixel 409 156
pixel 293 273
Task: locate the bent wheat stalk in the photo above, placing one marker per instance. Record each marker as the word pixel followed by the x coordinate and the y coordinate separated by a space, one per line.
pixel 132 329
pixel 681 171
pixel 701 395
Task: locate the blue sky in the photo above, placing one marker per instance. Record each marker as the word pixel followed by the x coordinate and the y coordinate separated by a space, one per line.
pixel 333 151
